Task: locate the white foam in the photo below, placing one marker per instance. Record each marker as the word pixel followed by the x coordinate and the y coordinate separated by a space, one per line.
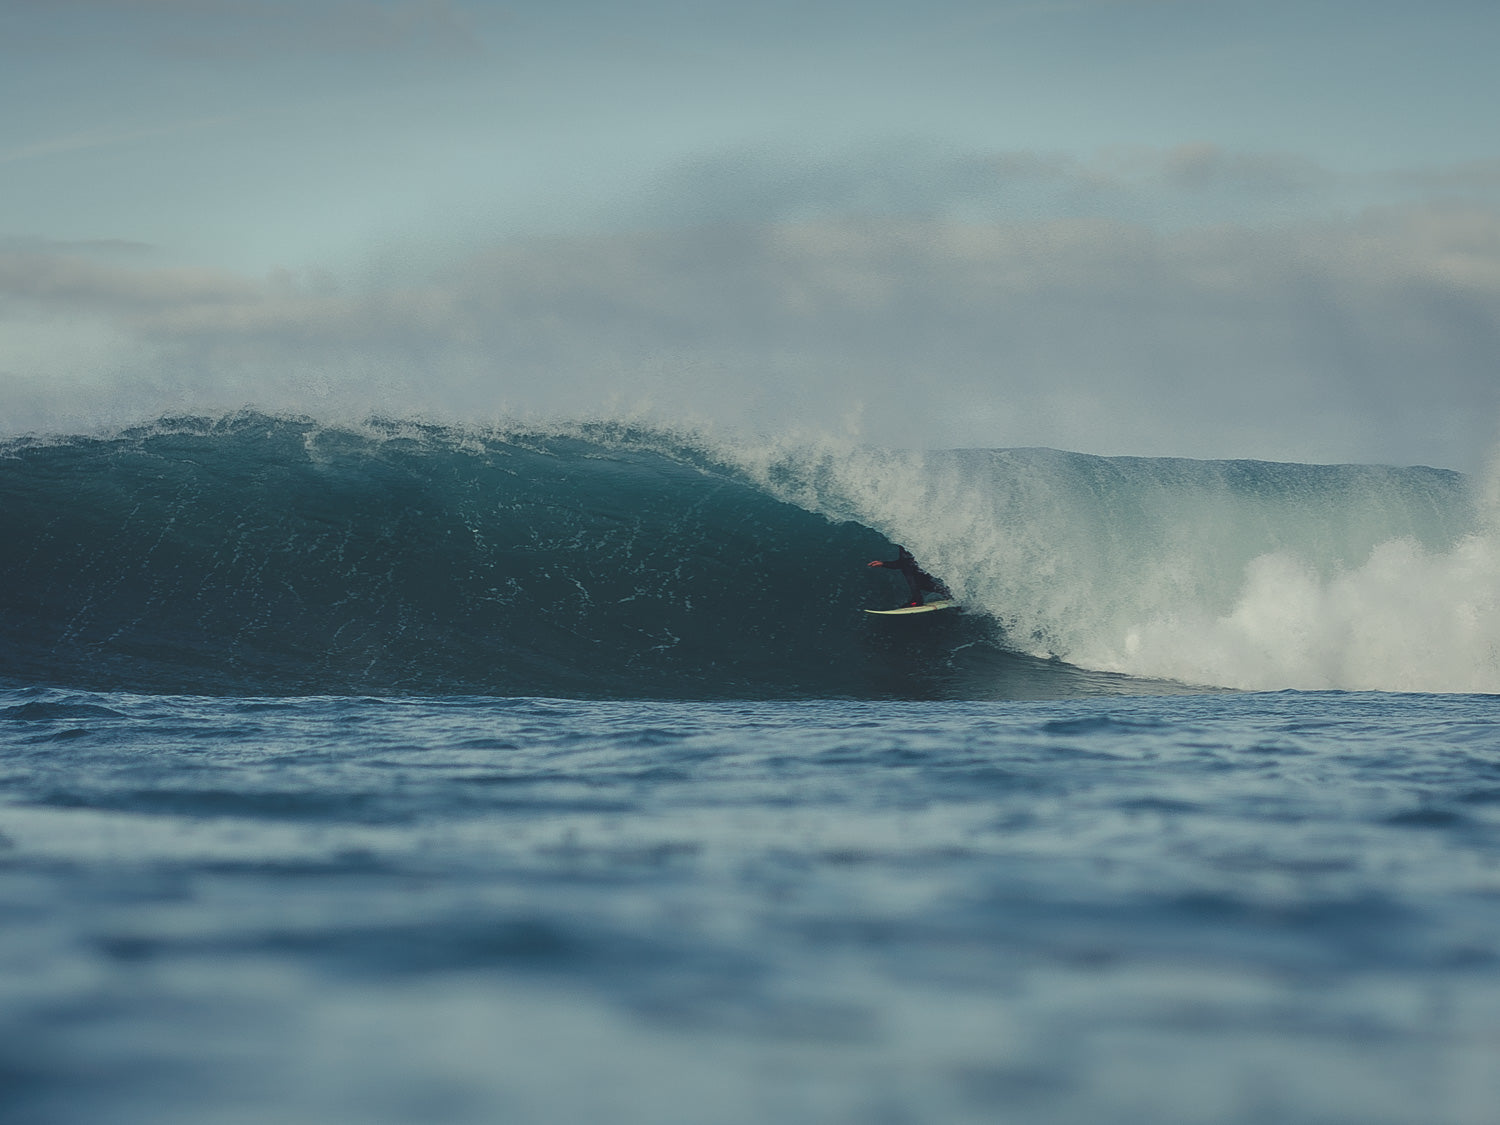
pixel 1408 619
pixel 1235 574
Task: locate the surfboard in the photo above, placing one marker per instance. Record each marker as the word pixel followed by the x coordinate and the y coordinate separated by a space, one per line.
pixel 930 607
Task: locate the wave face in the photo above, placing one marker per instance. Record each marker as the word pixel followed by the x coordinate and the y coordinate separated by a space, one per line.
pixel 267 555
pixel 254 554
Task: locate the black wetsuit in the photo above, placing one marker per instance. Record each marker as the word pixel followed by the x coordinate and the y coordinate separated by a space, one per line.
pixel 918 581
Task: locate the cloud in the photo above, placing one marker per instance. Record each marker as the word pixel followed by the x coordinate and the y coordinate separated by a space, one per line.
pixel 1476 179
pixel 30 244
pixel 108 138
pixel 1365 338
pixel 60 278
pixel 1200 166
pixel 1195 182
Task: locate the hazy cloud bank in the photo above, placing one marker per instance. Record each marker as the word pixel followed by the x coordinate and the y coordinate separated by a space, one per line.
pixel 1370 338
pixel 1189 183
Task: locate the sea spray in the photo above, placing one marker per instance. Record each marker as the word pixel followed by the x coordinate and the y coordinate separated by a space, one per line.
pixel 1414 615
pixel 1233 573
pixel 1408 619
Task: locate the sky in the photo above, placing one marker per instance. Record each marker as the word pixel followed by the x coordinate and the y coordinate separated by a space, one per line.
pixel 1193 228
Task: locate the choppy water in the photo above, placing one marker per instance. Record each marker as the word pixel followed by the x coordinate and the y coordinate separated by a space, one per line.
pixel 1246 908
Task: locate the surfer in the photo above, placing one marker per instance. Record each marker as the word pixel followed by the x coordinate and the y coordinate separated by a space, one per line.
pixel 918 581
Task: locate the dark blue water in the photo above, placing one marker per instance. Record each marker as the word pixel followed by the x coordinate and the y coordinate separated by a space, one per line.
pixel 398 774
pixel 1269 908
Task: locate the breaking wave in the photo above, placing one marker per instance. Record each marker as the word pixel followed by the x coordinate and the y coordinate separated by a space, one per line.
pixel 253 554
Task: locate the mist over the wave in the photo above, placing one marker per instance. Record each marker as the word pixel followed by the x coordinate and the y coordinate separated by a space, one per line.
pixel 1172 308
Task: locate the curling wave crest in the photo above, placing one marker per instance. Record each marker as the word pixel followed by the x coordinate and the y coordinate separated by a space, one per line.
pixel 255 553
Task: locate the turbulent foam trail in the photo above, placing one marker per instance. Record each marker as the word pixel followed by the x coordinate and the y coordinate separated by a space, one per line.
pixel 260 554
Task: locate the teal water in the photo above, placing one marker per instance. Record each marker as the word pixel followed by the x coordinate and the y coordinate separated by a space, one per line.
pixel 1252 908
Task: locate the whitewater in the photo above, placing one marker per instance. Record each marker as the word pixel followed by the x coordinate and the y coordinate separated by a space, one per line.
pixel 402 772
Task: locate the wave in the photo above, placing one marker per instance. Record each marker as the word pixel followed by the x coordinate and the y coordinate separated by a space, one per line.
pixel 255 554
pixel 1242 574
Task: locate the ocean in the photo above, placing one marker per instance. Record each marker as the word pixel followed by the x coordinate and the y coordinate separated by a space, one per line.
pixel 396 772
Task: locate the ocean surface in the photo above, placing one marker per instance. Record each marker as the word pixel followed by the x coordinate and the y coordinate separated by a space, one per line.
pixel 397 773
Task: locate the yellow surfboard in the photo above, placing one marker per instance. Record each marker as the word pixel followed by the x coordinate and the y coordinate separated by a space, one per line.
pixel 930 607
